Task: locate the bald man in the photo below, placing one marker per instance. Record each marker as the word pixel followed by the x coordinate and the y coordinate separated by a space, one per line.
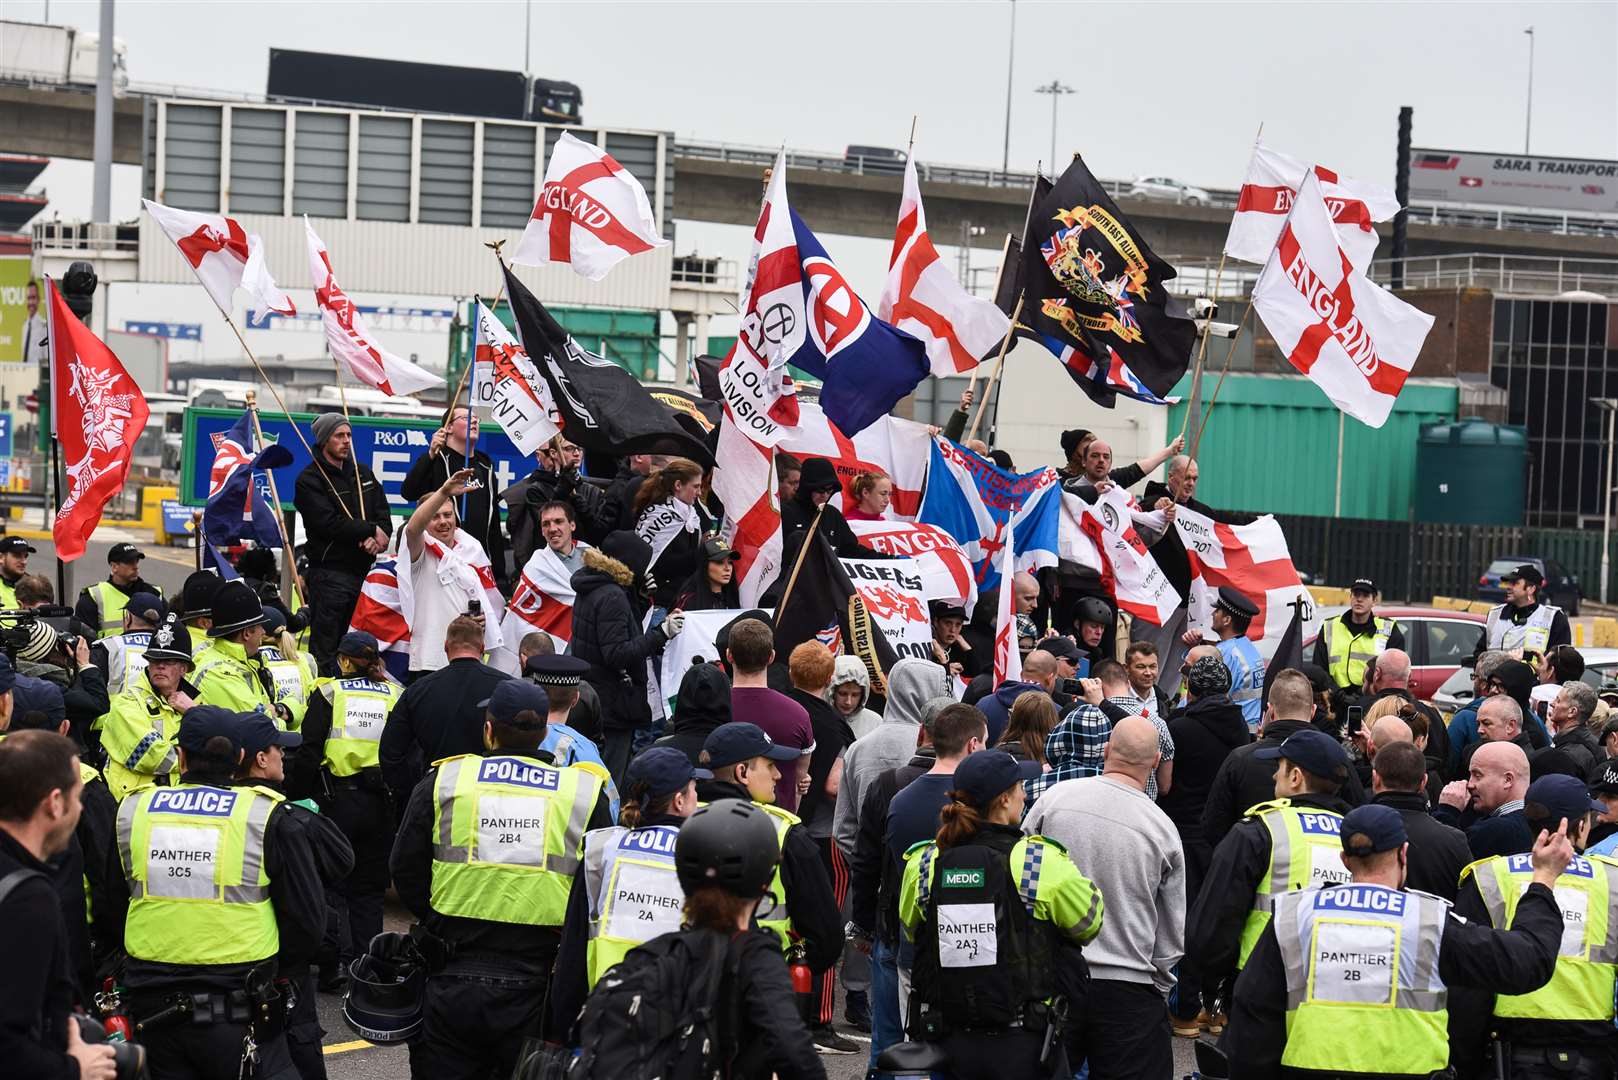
pixel 1038 675
pixel 1488 804
pixel 1391 678
pixel 1024 599
pixel 1129 848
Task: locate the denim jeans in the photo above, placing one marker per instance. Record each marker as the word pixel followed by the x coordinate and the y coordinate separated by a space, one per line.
pixel 887 1027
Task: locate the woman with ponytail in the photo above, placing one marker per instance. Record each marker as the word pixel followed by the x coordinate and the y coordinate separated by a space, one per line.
pixel 872 492
pixel 997 919
pixel 666 517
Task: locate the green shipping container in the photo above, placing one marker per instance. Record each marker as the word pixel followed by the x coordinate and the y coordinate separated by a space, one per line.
pixel 1471 472
pixel 627 338
pixel 1269 445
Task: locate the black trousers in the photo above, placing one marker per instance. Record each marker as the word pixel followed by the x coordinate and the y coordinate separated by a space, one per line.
pixel 617 747
pixel 332 596
pixel 364 817
pixel 212 1052
pixel 978 1055
pixel 304 1032
pixel 1124 1029
pixel 474 1027
pixel 1190 995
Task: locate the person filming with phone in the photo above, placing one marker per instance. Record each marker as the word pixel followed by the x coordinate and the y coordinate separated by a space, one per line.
pixel 450 574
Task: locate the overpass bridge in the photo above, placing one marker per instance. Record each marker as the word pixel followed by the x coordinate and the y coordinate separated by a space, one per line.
pixel 719 182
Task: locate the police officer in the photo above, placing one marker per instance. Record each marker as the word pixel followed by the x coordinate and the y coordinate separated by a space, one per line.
pixel 215 882
pixel 292 672
pixel 997 919
pixel 122 656
pixel 1522 624
pixel 14 552
pixel 1280 846
pixel 1563 1030
pixel 264 763
pixel 230 673
pixel 1354 979
pixel 101 605
pixel 338 766
pixel 196 607
pixel 1353 639
pixel 485 858
pixel 140 729
pixel 1233 613
pixel 629 892
pixel 561 679
pixel 743 761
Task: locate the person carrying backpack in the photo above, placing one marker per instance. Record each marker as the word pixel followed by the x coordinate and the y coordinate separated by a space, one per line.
pixel 997 919
pixel 713 998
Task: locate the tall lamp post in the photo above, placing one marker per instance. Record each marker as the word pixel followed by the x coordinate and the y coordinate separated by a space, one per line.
pixel 1528 122
pixel 1610 407
pixel 1055 89
pixel 1011 54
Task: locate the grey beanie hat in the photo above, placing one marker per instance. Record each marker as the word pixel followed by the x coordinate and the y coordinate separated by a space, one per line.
pixel 326 425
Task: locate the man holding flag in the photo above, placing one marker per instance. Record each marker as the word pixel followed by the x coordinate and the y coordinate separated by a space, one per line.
pixel 453 447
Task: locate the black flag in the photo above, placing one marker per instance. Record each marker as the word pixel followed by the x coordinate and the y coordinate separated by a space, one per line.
pixel 1289 652
pixel 1094 294
pixel 825 606
pixel 603 408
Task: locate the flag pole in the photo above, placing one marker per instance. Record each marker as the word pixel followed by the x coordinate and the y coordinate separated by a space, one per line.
pixel 313 456
pixel 289 573
pixel 56 490
pixel 342 394
pixel 803 549
pixel 999 362
pixel 196 535
pixel 1207 414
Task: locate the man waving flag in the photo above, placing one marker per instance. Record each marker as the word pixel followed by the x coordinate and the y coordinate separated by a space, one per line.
pixel 591 214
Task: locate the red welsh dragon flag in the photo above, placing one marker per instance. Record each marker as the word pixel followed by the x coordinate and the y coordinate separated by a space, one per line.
pixel 97 413
pixel 591 213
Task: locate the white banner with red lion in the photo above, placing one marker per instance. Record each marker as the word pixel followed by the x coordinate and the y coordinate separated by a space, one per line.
pixel 894 595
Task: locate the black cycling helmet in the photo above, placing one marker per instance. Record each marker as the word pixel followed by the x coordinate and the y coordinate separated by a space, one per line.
pixel 729 843
pixel 1092 609
pixel 383 1003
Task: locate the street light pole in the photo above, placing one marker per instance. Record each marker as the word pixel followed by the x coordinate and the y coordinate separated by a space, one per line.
pixel 1610 407
pixel 1528 123
pixel 1011 54
pixel 1055 89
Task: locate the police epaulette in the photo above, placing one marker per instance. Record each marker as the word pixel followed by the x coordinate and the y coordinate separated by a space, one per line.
pixel 918 847
pixel 1057 844
pixel 271 792
pixel 1474 864
pixel 1259 808
pixel 447 760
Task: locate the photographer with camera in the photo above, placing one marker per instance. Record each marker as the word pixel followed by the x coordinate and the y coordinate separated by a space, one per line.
pixel 63 659
pixel 101 606
pixel 39 809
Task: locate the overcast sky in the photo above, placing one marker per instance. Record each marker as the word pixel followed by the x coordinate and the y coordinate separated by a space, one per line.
pixel 1176 88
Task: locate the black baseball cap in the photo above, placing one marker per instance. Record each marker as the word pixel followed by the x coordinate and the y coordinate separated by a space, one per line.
pixel 148 606
pixel 1312 751
pixel 1060 647
pixel 125 553
pixel 203 722
pixel 1382 827
pixel 661 770
pixel 987 774
pixel 358 643
pixel 1526 572
pixel 1562 797
pixel 514 696
pixel 945 609
pixel 16 545
pixel 716 550
pixel 740 741
pixel 259 733
pixel 1363 584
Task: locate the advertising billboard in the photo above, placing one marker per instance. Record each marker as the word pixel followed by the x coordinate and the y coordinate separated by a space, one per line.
pixel 1569 185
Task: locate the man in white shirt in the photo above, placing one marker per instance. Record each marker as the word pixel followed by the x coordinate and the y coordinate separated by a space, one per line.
pixel 439 596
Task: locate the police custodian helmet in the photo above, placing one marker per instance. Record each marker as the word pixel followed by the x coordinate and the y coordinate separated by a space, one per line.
pixel 728 843
pixel 383 1003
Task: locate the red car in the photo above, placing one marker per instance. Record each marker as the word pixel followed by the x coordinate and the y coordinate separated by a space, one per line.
pixel 1436 639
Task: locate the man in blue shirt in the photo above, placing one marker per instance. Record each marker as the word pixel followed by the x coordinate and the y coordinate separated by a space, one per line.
pixel 1232 614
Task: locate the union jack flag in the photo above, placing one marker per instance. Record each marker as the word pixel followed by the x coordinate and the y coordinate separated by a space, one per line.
pixel 1099 382
pixel 232 449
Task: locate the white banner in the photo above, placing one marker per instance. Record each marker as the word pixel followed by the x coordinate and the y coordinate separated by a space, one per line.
pixel 1580 185
pixel 944 568
pixel 893 594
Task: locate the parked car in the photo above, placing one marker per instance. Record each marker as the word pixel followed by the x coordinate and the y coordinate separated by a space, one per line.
pixel 1600 672
pixel 1436 639
pixel 1561 589
pixel 874 159
pixel 1168 189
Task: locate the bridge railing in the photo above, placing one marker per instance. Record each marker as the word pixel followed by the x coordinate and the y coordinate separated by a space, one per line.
pixel 1522 275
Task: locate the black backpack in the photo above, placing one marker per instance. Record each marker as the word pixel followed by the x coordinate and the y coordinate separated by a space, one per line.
pixel 658 1014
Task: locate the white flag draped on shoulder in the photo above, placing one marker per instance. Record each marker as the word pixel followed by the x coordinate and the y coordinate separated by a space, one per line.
pixel 517 395
pixel 1356 340
pixel 591 213
pixel 1269 190
pixel 922 298
pixel 350 339
pixel 542 600
pixel 462 565
pixel 1129 572
pixel 224 256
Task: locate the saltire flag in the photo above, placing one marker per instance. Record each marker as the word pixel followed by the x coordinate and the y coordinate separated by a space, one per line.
pixel 591 213
pixel 599 406
pixel 744 479
pixel 510 386
pixel 1271 186
pixel 1089 282
pixel 1007 658
pixel 1254 560
pixel 825 606
pixel 97 414
pixel 973 500
pixel 379 613
pixel 349 337
pixel 224 256
pixel 237 508
pixel 1353 338
pixel 892 445
pixel 1128 571
pixel 922 298
pixel 943 565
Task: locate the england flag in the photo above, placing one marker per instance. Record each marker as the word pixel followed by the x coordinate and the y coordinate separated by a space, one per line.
pixel 224 256
pixel 1272 185
pixel 591 213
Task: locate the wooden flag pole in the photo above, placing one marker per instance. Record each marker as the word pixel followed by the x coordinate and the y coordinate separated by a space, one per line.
pixel 494 246
pixel 1207 413
pixel 803 549
pixel 999 362
pixel 289 572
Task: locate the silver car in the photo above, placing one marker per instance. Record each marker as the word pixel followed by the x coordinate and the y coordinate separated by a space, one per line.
pixel 1167 189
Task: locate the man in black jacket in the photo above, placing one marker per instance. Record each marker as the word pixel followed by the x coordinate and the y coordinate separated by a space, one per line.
pixel 816 485
pixel 703 704
pixel 1438 853
pixel 347 524
pixel 553 479
pixel 445 456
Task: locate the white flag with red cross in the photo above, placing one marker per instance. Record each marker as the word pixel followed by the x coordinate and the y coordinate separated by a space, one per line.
pixel 922 298
pixel 224 256
pixel 591 213
pixel 1271 186
pixel 1252 559
pixel 508 384
pixel 1007 658
pixel 1356 340
pixel 744 479
pixel 350 339
pixel 898 448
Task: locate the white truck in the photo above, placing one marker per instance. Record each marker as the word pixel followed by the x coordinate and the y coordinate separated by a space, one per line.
pixel 56 55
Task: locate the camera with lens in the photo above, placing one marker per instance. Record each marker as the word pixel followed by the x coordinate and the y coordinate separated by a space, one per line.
pixel 128 1059
pixel 17 628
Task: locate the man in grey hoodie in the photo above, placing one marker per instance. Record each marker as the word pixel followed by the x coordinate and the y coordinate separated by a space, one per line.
pixel 850 692
pixel 910 684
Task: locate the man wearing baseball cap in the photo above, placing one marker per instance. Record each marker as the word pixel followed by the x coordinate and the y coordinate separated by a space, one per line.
pixel 121 656
pixel 1522 624
pixel 1349 641
pixel 1278 847
pixel 218 882
pixel 485 859
pixel 102 605
pixel 1365 978
pixel 14 552
pixel 1563 1029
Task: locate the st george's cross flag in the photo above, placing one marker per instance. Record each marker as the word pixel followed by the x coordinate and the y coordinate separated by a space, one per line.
pixel 350 339
pixel 1128 571
pixel 894 446
pixel 1254 560
pixel 542 600
pixel 922 298
pixel 1356 340
pixel 591 213
pixel 224 256
pixel 1007 658
pixel 509 385
pixel 1272 184
pixel 744 479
